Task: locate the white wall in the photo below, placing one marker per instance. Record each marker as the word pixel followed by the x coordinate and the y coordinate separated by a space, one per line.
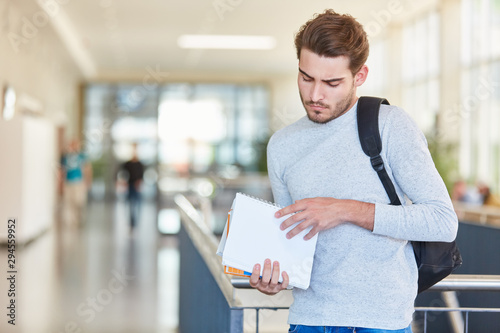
pixel 10 172
pixel 39 172
pixel 36 64
pixel 28 175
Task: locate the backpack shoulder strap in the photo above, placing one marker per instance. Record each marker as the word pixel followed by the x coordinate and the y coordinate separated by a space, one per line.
pixel 369 137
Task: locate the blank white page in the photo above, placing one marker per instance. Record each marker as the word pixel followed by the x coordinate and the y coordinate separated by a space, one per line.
pixel 255 235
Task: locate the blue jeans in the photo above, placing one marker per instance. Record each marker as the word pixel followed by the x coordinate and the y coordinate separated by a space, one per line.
pixel 338 329
pixel 134 198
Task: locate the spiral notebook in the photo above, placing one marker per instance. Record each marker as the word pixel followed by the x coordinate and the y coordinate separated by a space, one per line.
pixel 252 234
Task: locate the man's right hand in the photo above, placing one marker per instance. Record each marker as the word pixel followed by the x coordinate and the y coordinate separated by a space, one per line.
pixel 268 283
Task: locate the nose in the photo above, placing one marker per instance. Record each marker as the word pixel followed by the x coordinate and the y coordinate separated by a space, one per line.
pixel 316 93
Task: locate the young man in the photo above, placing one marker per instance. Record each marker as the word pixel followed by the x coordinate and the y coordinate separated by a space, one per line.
pixel 364 276
pixel 135 174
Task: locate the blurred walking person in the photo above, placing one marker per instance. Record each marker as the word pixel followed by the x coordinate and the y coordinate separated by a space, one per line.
pixel 77 175
pixel 135 173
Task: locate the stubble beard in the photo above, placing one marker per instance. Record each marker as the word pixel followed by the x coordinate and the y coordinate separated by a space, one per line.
pixel 340 108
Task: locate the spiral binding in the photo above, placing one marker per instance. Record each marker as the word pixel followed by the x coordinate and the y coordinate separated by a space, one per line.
pixel 262 200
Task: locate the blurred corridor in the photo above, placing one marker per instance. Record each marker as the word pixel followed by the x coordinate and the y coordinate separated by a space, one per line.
pixel 98 278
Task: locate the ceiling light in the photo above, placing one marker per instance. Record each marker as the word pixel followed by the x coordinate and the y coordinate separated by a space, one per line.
pixel 226 42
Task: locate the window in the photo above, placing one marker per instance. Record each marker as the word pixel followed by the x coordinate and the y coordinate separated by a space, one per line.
pixel 421 69
pixel 480 105
pixel 180 129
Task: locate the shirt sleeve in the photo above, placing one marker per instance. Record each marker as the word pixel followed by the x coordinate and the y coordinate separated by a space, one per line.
pixel 429 216
pixel 280 191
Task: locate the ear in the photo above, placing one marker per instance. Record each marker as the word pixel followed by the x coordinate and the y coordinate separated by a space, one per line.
pixel 360 76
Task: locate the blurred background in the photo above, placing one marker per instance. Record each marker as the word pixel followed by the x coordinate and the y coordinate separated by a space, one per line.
pixel 138 81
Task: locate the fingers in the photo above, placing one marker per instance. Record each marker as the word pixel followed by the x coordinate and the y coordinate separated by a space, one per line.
pixel 266 273
pixel 293 208
pixel 292 220
pixel 269 282
pixel 255 277
pixel 284 211
pixel 308 213
pixel 276 274
pixel 302 222
pixel 286 280
pixel 294 232
pixel 311 233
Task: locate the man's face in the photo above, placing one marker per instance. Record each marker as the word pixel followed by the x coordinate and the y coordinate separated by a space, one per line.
pixel 327 86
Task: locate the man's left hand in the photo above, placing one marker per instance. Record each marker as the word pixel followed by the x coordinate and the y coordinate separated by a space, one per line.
pixel 325 213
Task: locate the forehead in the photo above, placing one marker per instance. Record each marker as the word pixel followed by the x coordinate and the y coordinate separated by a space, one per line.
pixel 323 67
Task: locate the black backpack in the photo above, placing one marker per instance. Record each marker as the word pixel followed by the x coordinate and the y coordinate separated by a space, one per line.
pixel 435 260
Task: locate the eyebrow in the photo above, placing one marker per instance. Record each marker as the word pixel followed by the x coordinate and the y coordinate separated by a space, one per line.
pixel 327 81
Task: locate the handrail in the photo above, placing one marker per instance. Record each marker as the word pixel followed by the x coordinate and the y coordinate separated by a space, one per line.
pixel 456 309
pixel 454 282
pixel 206 244
pixel 468 282
pixel 482 214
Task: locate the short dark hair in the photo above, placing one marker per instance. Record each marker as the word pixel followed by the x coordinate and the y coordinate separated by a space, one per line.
pixel 330 34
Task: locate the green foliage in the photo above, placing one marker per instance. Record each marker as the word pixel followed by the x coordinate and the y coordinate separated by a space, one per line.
pixel 262 156
pixel 445 156
pixel 99 168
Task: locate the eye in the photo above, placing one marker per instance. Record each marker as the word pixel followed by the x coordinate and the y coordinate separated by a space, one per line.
pixel 333 85
pixel 306 79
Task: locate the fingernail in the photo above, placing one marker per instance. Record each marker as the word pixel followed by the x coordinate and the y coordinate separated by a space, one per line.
pixel 278 214
pixel 257 267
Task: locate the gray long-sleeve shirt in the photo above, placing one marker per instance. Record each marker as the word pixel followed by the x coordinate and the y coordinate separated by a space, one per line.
pixel 362 278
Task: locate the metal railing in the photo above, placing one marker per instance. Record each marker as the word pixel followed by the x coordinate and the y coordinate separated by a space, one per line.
pixel 453 283
pixel 464 327
pixel 205 304
pixel 205 243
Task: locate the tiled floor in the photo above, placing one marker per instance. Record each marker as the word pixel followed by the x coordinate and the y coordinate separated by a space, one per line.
pixel 97 278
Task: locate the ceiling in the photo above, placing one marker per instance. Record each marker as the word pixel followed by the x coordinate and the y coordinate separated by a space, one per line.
pixel 107 37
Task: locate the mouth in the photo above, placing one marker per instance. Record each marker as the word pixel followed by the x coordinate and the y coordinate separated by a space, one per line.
pixel 317 107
